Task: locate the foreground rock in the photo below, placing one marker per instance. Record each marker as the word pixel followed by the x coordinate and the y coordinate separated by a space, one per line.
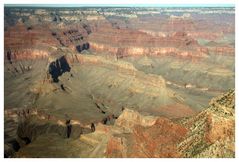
pixel 213 130
pixel 207 134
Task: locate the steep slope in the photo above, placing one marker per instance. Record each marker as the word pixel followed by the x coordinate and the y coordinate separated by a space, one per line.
pixel 212 132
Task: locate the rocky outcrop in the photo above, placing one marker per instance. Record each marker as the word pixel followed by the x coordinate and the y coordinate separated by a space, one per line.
pixel 210 133
pixel 149 137
pixel 211 129
pixel 129 118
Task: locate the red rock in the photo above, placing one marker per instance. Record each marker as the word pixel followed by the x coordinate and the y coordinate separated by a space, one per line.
pixel 127 42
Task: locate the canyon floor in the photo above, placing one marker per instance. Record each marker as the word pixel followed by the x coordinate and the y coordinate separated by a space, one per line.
pixel 119 82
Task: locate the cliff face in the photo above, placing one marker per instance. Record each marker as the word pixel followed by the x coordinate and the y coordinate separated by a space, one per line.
pixel 211 129
pixel 21 35
pixel 26 54
pixel 140 35
pixel 126 42
pixel 121 52
pixel 28 43
pixel 211 133
pixel 149 136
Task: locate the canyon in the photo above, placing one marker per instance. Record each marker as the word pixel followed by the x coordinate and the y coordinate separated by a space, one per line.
pixel 119 82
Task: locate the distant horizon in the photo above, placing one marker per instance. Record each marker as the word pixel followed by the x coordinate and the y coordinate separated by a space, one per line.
pixel 122 5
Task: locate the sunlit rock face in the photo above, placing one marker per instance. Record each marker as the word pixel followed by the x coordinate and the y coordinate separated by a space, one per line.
pixel 119 82
pixel 202 135
pixel 213 128
pixel 149 137
pixel 127 42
